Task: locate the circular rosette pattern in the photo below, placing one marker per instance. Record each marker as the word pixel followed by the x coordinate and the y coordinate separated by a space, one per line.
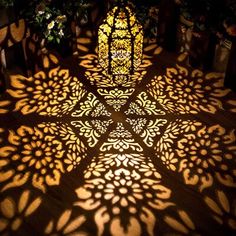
pixel 53 94
pixel 39 155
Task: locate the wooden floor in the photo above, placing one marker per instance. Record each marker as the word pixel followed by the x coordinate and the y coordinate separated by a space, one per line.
pixel 152 154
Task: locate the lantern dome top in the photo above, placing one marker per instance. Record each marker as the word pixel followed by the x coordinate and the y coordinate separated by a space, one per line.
pixel 121 17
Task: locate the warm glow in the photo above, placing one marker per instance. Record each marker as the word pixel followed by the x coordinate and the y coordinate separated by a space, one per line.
pixel 120 40
pixel 80 155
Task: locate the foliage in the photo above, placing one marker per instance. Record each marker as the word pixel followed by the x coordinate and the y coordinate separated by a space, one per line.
pixel 51 19
pixel 197 11
pixel 46 19
pixel 208 14
pixel 147 14
pixel 7 3
pixel 78 9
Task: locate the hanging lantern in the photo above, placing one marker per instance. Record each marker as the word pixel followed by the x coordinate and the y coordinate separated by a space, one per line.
pixel 120 42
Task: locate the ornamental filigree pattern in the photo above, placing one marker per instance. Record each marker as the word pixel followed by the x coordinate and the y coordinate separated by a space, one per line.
pixel 204 153
pixel 88 131
pixel 138 125
pixel 95 74
pixel 32 152
pixel 149 107
pixel 92 107
pixel 180 91
pixel 152 130
pixel 116 98
pixel 52 94
pixel 120 140
pixel 123 189
pixel 84 156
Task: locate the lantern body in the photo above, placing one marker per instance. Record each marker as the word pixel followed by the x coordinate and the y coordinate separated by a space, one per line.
pixel 120 42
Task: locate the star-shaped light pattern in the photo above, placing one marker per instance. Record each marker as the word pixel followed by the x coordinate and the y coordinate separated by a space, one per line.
pixel 145 158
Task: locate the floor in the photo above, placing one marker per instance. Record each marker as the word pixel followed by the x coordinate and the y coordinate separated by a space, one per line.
pixel 153 154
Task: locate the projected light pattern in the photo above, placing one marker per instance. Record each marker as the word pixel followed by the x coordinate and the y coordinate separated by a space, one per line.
pixel 155 157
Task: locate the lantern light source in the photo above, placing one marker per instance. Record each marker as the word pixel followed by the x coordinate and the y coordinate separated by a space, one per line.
pixel 120 42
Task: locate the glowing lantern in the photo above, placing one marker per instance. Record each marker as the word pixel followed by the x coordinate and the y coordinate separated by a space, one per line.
pixel 120 40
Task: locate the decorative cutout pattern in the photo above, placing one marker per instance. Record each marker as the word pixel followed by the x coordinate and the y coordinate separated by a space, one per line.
pixel 65 226
pixel 117 160
pixel 120 140
pixel 52 95
pixel 181 92
pixel 92 107
pixel 95 74
pixel 223 211
pixel 13 214
pixel 152 130
pixel 116 98
pixel 33 153
pixel 199 151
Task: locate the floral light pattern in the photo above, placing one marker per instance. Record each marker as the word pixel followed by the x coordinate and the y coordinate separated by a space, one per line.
pixel 30 149
pixel 13 214
pixel 65 225
pixel 222 210
pixel 122 191
pixel 117 160
pixel 46 94
pixel 38 157
pixel 204 153
pixel 116 98
pixel 181 92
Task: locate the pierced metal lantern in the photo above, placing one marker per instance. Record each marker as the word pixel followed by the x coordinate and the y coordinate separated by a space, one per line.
pixel 120 42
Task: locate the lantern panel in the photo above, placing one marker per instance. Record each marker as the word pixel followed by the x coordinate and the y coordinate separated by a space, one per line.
pixel 103 49
pixel 138 50
pixel 120 40
pixel 121 56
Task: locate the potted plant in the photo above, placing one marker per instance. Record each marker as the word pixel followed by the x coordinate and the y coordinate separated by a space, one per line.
pixel 47 20
pixel 51 21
